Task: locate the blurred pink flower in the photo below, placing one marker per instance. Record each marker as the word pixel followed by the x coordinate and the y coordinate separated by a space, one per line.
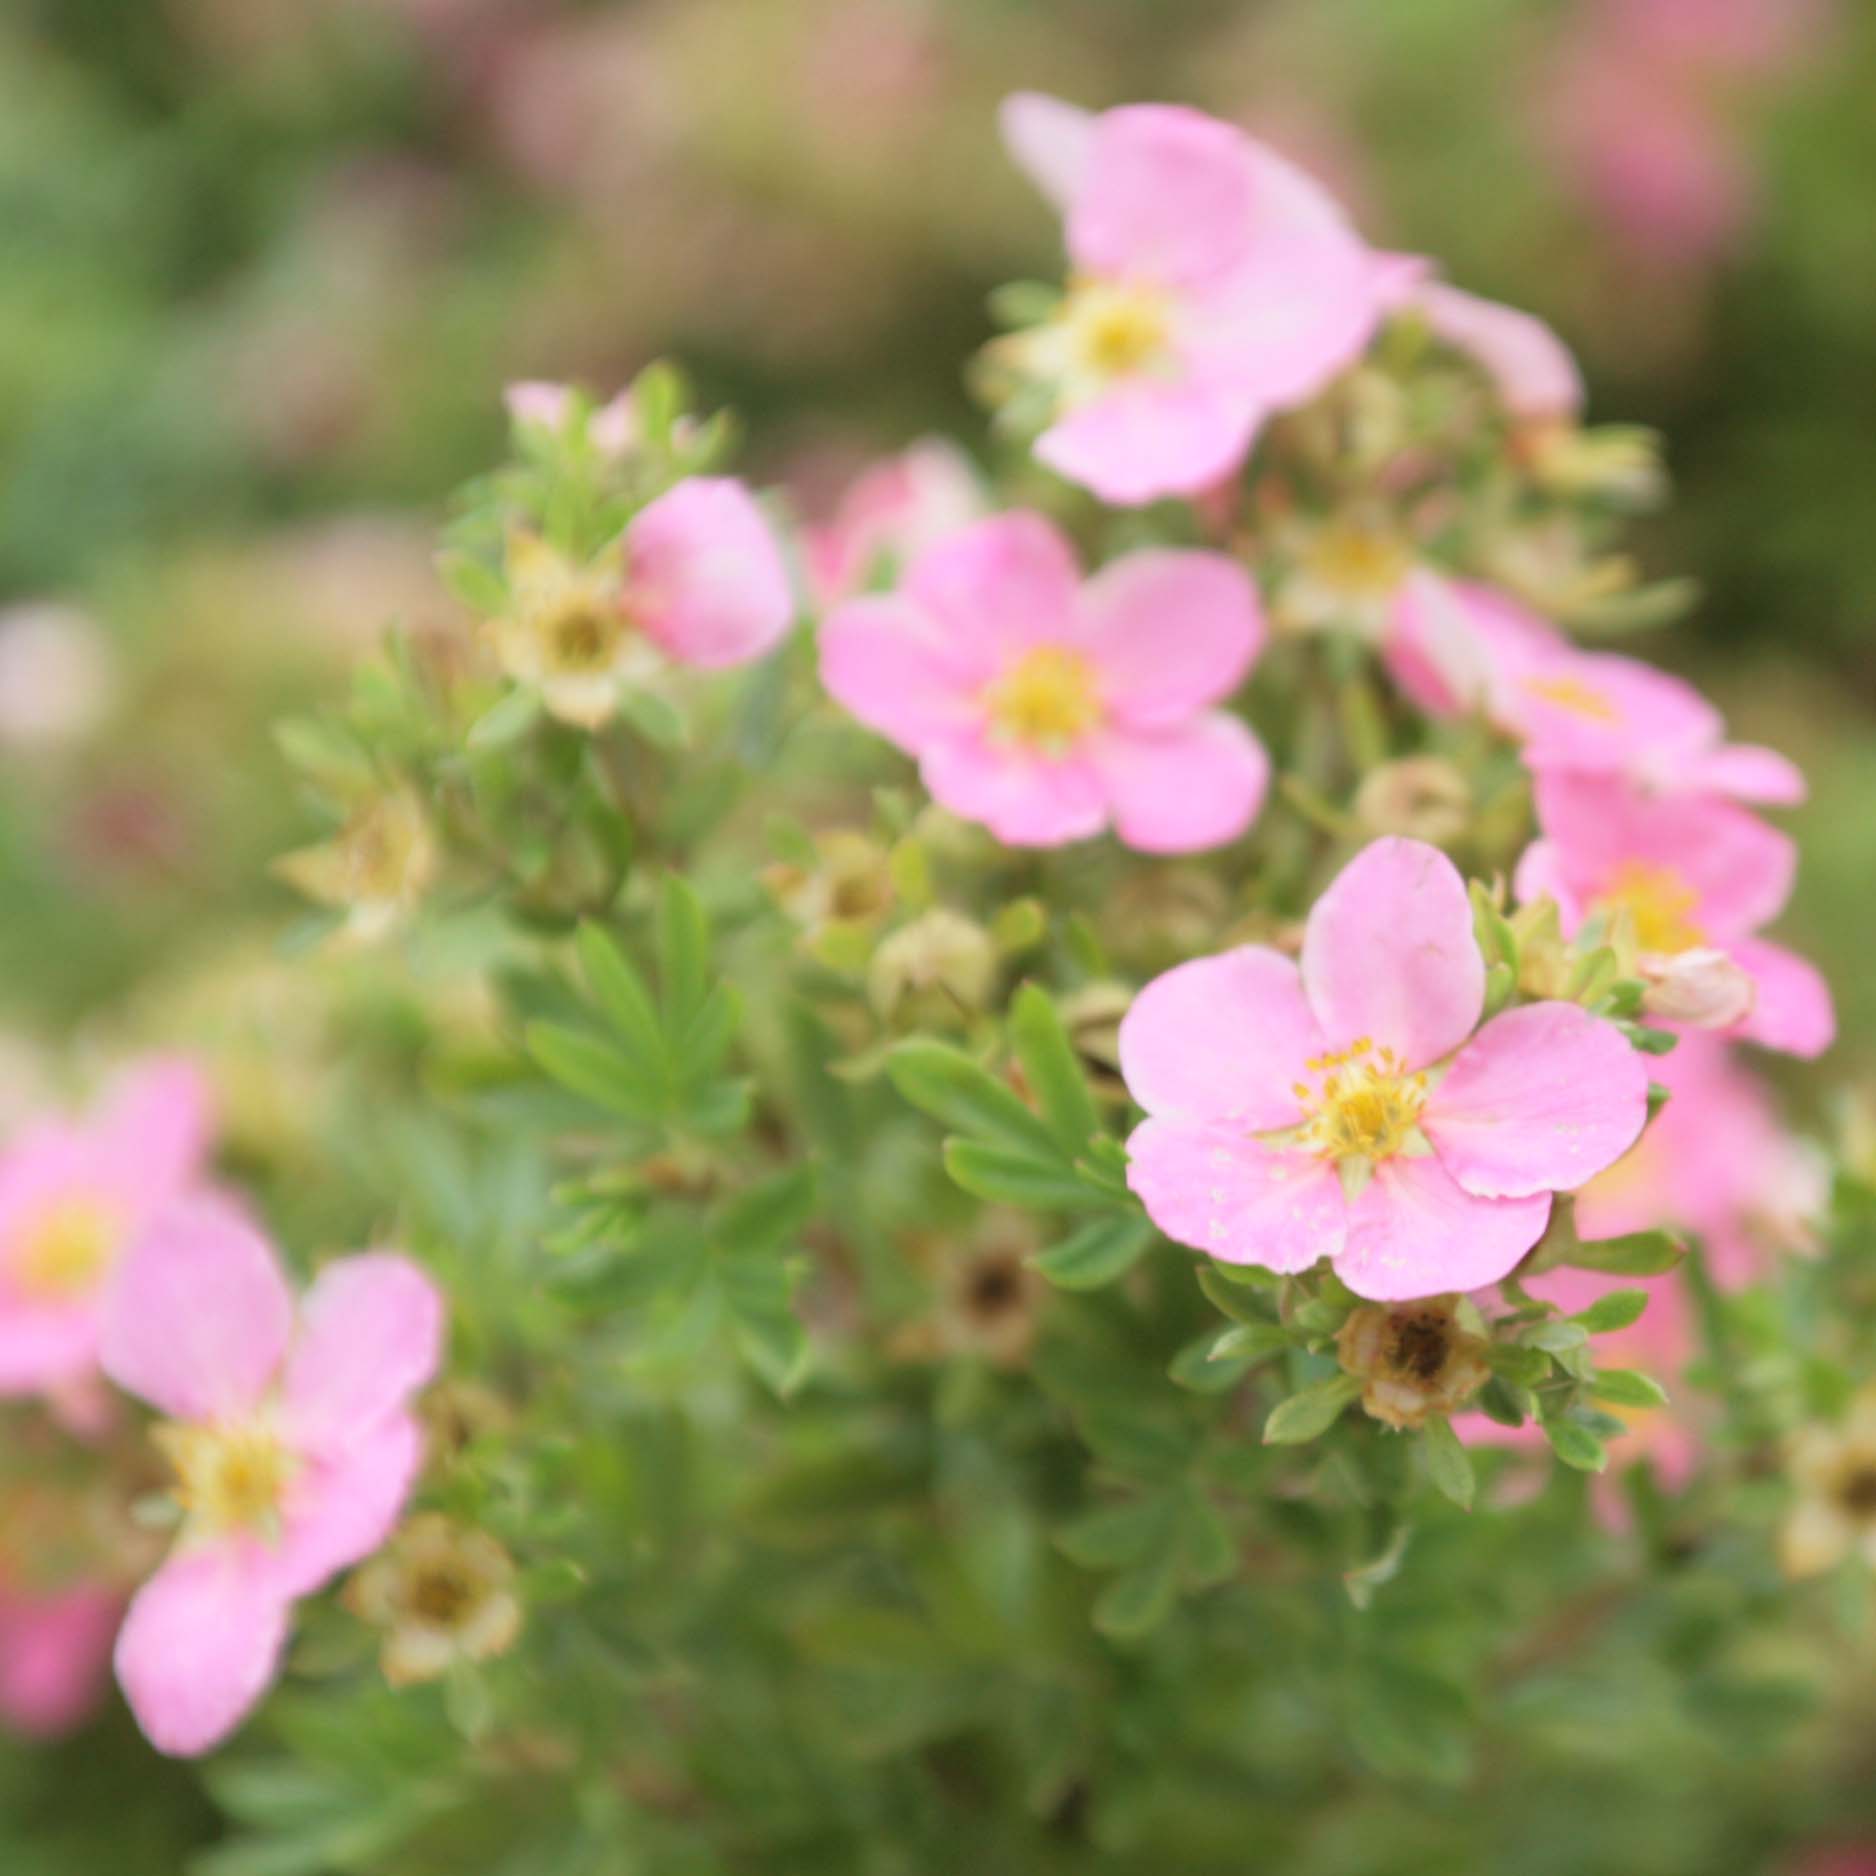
pixel 1047 708
pixel 535 404
pixel 1346 1109
pixel 58 677
pixel 55 1648
pixel 892 512
pixel 1213 283
pixel 76 1198
pixel 293 1442
pixel 1688 871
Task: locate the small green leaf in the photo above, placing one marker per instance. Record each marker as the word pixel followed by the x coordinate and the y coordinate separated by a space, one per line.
pixel 594 1070
pixel 622 997
pixel 1009 1175
pixel 1052 1070
pixel 1576 1445
pixel 1524 1366
pixel 1614 1311
pixel 1113 1536
pixel 476 583
pixel 1625 1387
pixel 1138 1602
pixel 1555 1336
pixel 768 1217
pixel 1097 1253
pixel 1639 1254
pixel 963 1095
pixel 507 721
pixel 655 718
pixel 683 954
pixel 1449 1465
pixel 1310 1414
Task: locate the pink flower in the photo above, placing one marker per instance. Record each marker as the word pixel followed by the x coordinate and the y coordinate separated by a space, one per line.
pixel 54 1649
pixel 1046 708
pixel 1213 283
pixel 1690 872
pixel 896 509
pixel 293 1443
pixel 75 1198
pixel 1346 1110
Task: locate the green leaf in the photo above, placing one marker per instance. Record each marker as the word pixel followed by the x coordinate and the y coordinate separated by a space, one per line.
pixel 1639 1254
pixel 622 997
pixel 507 721
pixel 1138 1602
pixel 683 954
pixel 963 1095
pixel 1052 1069
pixel 767 1333
pixel 1449 1465
pixel 594 1070
pixel 1249 1341
pixel 1576 1445
pixel 1556 1336
pixel 1236 1300
pixel 655 718
pixel 1625 1387
pixel 1524 1366
pixel 1009 1175
pixel 1111 1537
pixel 1614 1311
pixel 476 583
pixel 1097 1253
pixel 1310 1414
pixel 768 1217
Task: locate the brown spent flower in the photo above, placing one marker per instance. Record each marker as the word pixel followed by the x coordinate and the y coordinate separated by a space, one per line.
pixel 1834 1470
pixel 441 1591
pixel 376 868
pixel 1421 797
pixel 1416 1361
pixel 933 973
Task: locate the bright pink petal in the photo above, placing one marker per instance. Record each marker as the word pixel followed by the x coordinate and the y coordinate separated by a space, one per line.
pixel 1532 368
pixel 44 1346
pixel 1186 789
pixel 156 1129
pixel 886 662
pixel 344 1505
pixel 999 586
pixel 1025 800
pixel 1221 1039
pixel 1747 773
pixel 1599 711
pixel 1389 954
pixel 1147 438
pixel 705 576
pixel 1792 1010
pixel 370 1335
pixel 54 1652
pixel 1453 645
pixel 1237 1198
pixel 1415 1232
pixel 1541 874
pixel 199 1647
pixel 1171 633
pixel 1049 141
pixel 1541 1099
pixel 198 1319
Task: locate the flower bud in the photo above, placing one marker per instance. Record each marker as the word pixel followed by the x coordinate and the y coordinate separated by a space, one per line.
pixel 1702 987
pixel 934 972
pixel 1415 1361
pixel 1422 797
pixel 839 900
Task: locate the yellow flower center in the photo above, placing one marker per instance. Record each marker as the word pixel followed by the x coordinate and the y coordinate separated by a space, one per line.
pixel 1659 904
pixel 1352 558
pixel 68 1248
pixel 1366 1106
pixel 1114 330
pixel 580 639
pixel 1572 694
pixel 1046 700
pixel 228 1478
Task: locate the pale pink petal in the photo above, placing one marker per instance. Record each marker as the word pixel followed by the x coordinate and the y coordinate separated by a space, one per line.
pixel 1541 1099
pixel 1026 800
pixel 1600 711
pixel 705 576
pixel 1171 632
pixel 54 1652
pixel 1389 954
pixel 1049 141
pixel 1532 368
pixel 199 1647
pixel 999 586
pixel 536 402
pixel 1147 438
pixel 1792 1010
pixel 198 1318
pixel 1541 874
pixel 887 663
pixel 1222 1038
pixel 343 1505
pixel 1186 789
pixel 1415 1232
pixel 1747 773
pixel 370 1334
pixel 156 1129
pixel 1452 644
pixel 45 1345
pixel 1236 1197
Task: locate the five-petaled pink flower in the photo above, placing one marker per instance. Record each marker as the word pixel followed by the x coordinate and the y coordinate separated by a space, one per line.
pixel 896 509
pixel 75 1197
pixel 1212 283
pixel 1346 1109
pixel 1046 708
pixel 293 1443
pixel 1690 873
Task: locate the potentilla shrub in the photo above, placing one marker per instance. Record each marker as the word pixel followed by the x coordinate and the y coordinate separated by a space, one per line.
pixel 1103 1202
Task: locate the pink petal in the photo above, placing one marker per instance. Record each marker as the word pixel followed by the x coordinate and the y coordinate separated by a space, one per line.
pixel 1792 1010
pixel 705 576
pixel 1747 773
pixel 1236 1197
pixel 1389 954
pixel 370 1335
pixel 1540 874
pixel 1025 800
pixel 1599 711
pixel 1415 1232
pixel 199 1647
pixel 1221 1039
pixel 998 586
pixel 156 1128
pixel 44 1346
pixel 1171 632
pixel 1049 141
pixel 1183 790
pixel 198 1319
pixel 1148 438
pixel 344 1505
pixel 1541 1099
pixel 1532 368
pixel 1453 644
pixel 885 661
pixel 54 1651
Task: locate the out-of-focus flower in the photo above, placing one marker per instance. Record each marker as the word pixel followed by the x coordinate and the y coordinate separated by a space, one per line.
pixel 1212 283
pixel 1833 1472
pixel 76 1198
pixel 1296 1114
pixel 1422 797
pixel 697 579
pixel 891 514
pixel 1341 572
pixel 376 868
pixel 990 1294
pixel 1045 708
pixel 55 1650
pixel 1415 1364
pixel 935 972
pixel 293 1444
pixel 443 1593
pixel 612 429
pixel 842 898
pixel 1674 874
pixel 57 676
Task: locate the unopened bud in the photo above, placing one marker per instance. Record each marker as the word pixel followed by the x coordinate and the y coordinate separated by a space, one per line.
pixel 1421 797
pixel 1702 987
pixel 1415 1361
pixel 934 972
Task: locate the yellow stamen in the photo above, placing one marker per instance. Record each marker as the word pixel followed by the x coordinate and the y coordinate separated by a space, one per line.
pixel 1571 693
pixel 68 1248
pixel 1364 561
pixel 1659 903
pixel 1366 1106
pixel 1114 330
pixel 229 1478
pixel 1046 700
